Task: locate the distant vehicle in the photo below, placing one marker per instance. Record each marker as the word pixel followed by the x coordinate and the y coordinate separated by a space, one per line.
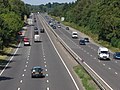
pixel 74 35
pixel 36 32
pixel 42 30
pixel 59 26
pixel 58 22
pixel 67 28
pixel 37 38
pixel 54 27
pixel 86 39
pixel 82 42
pixel 35 20
pixel 26 41
pixel 30 21
pixel 35 28
pixel 103 53
pixel 36 71
pixel 116 55
pixel 51 24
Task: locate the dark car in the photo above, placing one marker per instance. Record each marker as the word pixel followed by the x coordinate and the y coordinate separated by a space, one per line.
pixel 42 30
pixel 35 28
pixel 35 20
pixel 36 32
pixel 116 55
pixel 67 28
pixel 54 27
pixel 37 72
pixel 86 39
pixel 82 42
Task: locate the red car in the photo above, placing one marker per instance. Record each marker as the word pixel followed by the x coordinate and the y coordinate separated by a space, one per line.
pixel 26 41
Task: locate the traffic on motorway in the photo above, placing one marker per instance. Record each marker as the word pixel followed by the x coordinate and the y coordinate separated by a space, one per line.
pixel 100 59
pixel 32 65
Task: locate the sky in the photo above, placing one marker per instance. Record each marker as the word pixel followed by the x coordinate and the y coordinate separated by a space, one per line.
pixel 39 2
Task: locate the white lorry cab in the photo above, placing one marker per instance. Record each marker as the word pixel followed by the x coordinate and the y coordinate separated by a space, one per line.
pixel 30 21
pixel 37 38
pixel 103 53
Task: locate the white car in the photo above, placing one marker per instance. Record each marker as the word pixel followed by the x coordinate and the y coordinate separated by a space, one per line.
pixel 59 26
pixel 74 35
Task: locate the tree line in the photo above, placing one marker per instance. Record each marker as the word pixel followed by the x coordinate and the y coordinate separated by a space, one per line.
pixel 101 17
pixel 11 20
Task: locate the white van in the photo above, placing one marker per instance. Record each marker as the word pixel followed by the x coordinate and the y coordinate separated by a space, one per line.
pixel 37 38
pixel 103 53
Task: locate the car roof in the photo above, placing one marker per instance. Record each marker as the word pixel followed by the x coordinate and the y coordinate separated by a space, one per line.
pixel 37 67
pixel 82 40
pixel 103 48
pixel 117 52
pixel 74 32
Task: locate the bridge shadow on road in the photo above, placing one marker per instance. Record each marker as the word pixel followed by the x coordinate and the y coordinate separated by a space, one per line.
pixel 2 78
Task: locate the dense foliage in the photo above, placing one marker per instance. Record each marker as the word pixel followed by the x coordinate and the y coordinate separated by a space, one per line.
pixel 102 17
pixel 11 20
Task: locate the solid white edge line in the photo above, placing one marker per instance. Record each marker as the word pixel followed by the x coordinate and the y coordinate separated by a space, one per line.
pixel 63 63
pixel 10 60
pixel 97 74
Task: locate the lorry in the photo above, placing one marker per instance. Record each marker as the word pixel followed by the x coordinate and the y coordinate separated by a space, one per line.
pixel 37 38
pixel 103 53
pixel 30 21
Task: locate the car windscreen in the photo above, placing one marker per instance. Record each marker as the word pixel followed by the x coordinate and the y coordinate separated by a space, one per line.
pixel 118 54
pixel 38 69
pixel 74 33
pixel 105 52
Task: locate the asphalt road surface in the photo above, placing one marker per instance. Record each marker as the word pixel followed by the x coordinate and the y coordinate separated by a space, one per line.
pixel 17 74
pixel 108 70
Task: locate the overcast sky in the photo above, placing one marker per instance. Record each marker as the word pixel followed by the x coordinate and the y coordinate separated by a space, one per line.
pixel 38 2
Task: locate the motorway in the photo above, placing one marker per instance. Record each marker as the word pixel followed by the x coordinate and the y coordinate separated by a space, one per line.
pixel 108 70
pixel 17 73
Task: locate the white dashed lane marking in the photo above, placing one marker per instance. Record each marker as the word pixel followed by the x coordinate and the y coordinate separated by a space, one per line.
pixel 25 65
pixel 47 75
pixel 21 81
pixel 109 68
pixel 23 75
pixel 48 88
pixel 24 70
pixel 18 89
pixel 45 65
pixel 103 64
pixel 46 70
pixel 95 58
pixel 116 73
pixel 44 62
pixel 27 58
pixel 91 55
pixel 47 81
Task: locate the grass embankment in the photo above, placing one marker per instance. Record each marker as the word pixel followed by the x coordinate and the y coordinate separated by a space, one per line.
pixel 7 50
pixel 87 81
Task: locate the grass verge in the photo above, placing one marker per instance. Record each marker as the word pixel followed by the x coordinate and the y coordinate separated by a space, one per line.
pixel 87 81
pixel 6 50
